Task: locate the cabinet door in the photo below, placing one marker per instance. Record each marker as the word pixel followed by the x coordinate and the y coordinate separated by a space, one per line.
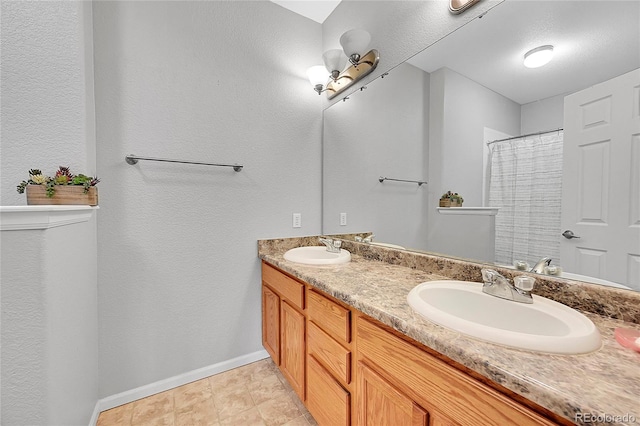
pixel 292 355
pixel 437 386
pixel 271 323
pixel 380 404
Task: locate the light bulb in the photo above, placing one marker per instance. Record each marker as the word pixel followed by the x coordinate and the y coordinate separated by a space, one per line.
pixel 538 57
pixel 318 76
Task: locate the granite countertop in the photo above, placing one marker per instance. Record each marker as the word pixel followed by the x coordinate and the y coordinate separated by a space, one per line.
pixel 602 387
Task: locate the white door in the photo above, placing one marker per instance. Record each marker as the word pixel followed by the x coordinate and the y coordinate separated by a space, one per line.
pixel 601 181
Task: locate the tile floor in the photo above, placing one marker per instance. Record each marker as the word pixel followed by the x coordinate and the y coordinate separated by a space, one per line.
pixel 253 395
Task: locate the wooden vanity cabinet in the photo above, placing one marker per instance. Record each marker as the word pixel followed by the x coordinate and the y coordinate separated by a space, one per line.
pixel 354 370
pixel 284 325
pixel 398 383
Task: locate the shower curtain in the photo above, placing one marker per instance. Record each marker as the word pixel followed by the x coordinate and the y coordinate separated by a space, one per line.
pixel 525 182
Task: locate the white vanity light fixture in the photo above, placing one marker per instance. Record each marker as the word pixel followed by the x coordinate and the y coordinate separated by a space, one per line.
pixel 354 43
pixel 539 56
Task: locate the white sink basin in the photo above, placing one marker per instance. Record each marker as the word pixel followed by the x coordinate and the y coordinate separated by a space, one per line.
pixel 543 326
pixel 317 255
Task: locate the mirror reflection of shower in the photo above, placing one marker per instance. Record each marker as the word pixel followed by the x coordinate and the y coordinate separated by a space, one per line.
pixel 525 183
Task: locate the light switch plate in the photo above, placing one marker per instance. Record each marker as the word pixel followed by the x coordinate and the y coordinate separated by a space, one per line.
pixel 297 220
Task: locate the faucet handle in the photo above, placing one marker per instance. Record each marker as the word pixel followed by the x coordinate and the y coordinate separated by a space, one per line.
pixel 490 276
pixel 521 265
pixel 337 243
pixel 524 283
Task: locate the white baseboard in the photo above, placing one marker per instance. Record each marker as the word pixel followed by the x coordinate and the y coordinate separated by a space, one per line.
pixel 95 414
pixel 172 382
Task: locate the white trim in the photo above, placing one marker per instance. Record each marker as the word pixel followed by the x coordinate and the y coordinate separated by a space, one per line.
pixel 17 218
pixel 95 414
pixel 173 382
pixel 479 211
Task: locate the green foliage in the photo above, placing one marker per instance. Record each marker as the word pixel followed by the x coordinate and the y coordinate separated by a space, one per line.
pixel 22 186
pixel 63 176
pixel 453 196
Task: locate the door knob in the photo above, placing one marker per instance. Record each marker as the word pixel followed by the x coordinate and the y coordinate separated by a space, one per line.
pixel 569 234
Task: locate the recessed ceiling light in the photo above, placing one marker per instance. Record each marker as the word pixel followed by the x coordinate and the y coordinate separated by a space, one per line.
pixel 538 57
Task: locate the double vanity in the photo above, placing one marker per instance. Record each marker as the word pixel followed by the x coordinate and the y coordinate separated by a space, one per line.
pixel 357 351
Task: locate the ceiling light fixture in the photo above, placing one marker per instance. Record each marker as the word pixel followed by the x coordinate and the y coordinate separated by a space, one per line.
pixel 538 57
pixel 354 44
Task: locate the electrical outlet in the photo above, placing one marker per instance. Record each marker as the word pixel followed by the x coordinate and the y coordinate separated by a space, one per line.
pixel 343 219
pixel 297 220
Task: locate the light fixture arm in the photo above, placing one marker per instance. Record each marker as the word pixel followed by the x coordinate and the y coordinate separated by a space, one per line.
pixel 355 59
pixel 363 67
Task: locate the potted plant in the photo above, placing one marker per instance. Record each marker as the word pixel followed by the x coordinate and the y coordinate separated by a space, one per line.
pixel 451 199
pixel 63 188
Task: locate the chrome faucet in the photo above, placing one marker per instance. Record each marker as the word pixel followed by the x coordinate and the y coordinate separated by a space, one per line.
pixel 368 239
pixel 538 268
pixel 333 246
pixel 499 286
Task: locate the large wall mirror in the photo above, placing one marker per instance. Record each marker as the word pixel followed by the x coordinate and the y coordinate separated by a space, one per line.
pixel 534 152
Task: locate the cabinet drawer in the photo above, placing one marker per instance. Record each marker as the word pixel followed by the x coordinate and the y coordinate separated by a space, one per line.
pixel 327 401
pixel 288 288
pixel 333 318
pixel 437 386
pixel 326 350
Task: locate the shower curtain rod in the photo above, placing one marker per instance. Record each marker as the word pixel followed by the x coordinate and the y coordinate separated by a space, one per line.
pixel 524 136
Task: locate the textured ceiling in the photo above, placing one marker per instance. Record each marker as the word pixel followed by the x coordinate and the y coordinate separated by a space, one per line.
pixel 593 41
